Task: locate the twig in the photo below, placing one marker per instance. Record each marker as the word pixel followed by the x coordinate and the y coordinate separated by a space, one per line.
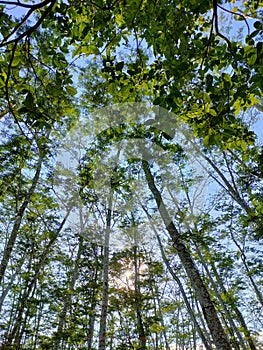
pixel 33 28
pixel 29 13
pixel 209 41
pixel 20 4
pixel 10 107
pixel 237 14
pixel 216 26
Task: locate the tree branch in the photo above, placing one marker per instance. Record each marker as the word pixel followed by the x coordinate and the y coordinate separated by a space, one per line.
pixel 209 42
pixel 19 25
pixel 31 29
pixel 28 6
pixel 237 14
pixel 218 33
pixel 10 106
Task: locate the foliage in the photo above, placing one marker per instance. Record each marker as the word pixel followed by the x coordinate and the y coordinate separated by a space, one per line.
pixel 60 61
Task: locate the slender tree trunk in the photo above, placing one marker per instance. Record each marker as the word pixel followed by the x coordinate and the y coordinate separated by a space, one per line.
pixel 238 313
pixel 68 297
pixel 24 321
pixel 163 324
pixel 38 322
pixel 10 284
pixel 233 328
pixel 19 316
pixel 177 280
pixel 205 338
pixel 140 325
pixel 92 315
pixel 13 236
pixel 13 332
pixel 244 258
pixel 93 305
pixel 231 189
pixel 218 334
pixel 105 283
pixel 156 314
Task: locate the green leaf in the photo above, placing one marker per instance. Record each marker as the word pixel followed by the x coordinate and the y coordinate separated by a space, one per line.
pixel 119 19
pixel 252 59
pixel 71 90
pixel 29 101
pixel 91 49
pixel 119 66
pixel 212 112
pixel 243 145
pixel 125 91
pixel 16 61
pixel 206 141
pixel 207 98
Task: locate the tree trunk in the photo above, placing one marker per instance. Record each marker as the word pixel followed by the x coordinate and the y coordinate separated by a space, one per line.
pixel 177 280
pixel 12 239
pixel 238 313
pixel 72 282
pixel 105 283
pixel 218 334
pixel 68 297
pixel 233 328
pixel 31 284
pixel 140 325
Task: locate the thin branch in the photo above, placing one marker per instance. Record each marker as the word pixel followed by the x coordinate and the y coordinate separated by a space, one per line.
pixel 117 34
pixel 4 113
pixel 240 162
pixel 113 4
pixel 209 41
pixel 19 25
pixel 98 6
pixel 20 4
pixel 10 107
pixel 230 171
pixel 237 14
pixel 33 28
pixel 216 26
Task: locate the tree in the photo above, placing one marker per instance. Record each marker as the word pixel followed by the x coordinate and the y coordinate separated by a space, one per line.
pixel 171 54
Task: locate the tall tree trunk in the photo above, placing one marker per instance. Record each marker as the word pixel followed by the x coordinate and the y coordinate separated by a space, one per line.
pixel 163 325
pixel 105 282
pixel 238 313
pixel 92 316
pixel 233 328
pixel 249 275
pixel 140 325
pixel 218 334
pixel 68 297
pixel 181 288
pixel 13 236
pixel 10 283
pixel 31 284
pixel 72 282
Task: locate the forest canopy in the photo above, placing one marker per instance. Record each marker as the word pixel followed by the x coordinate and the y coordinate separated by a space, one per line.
pixel 131 174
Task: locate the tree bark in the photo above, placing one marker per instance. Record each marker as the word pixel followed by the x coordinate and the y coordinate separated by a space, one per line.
pixel 31 284
pixel 238 313
pixel 140 325
pixel 181 288
pixel 12 239
pixel 72 282
pixel 218 334
pixel 232 328
pixel 105 288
